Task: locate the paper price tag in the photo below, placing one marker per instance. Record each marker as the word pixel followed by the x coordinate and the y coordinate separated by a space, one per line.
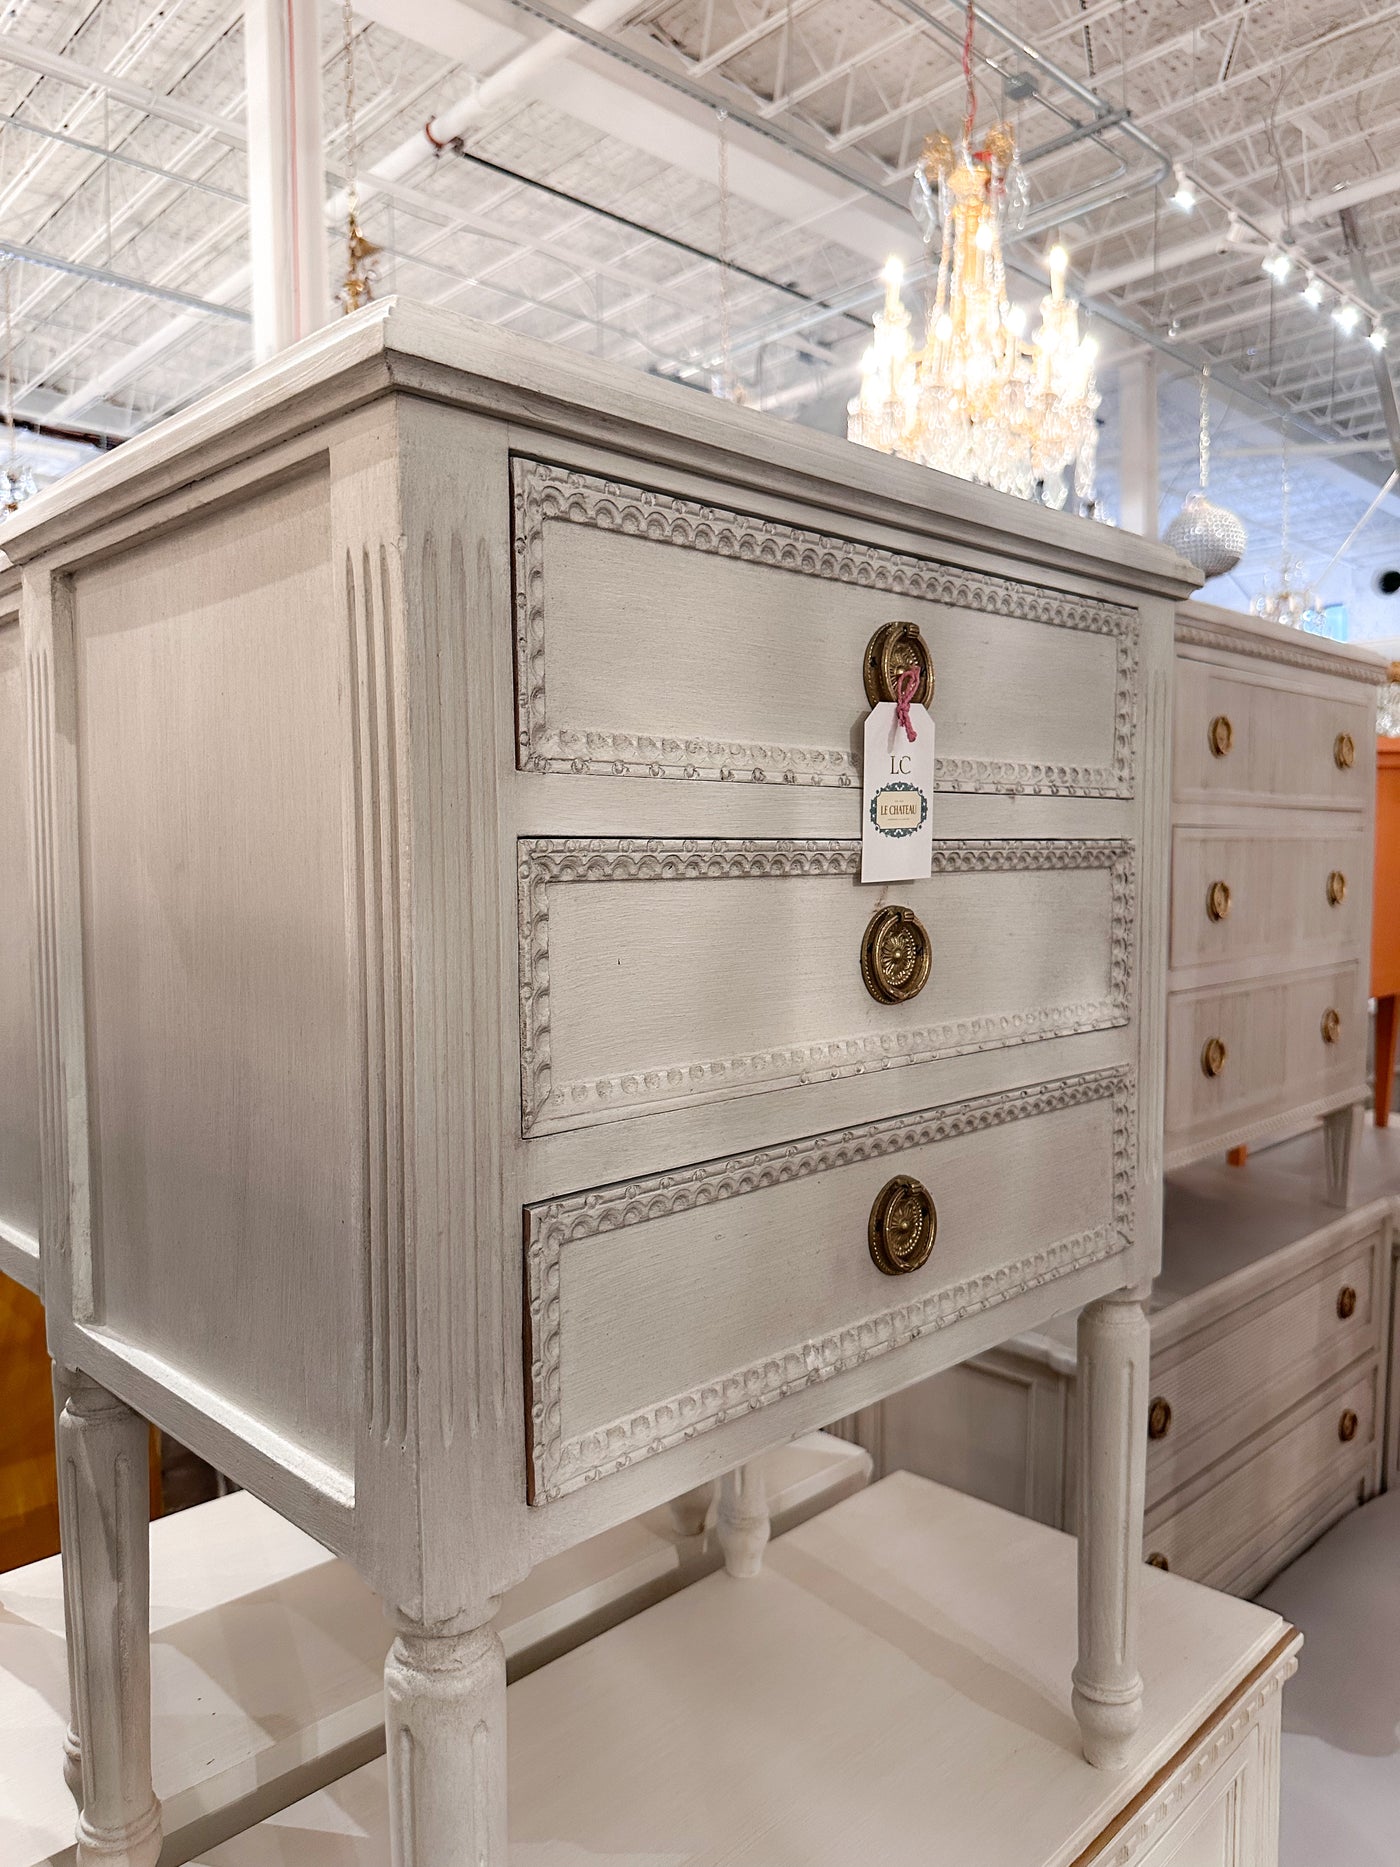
pixel 896 842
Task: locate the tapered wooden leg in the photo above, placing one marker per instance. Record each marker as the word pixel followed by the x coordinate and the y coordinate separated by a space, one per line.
pixel 445 1734
pixel 1341 1132
pixel 63 1384
pixel 105 1480
pixel 742 1521
pixel 690 1512
pixel 1113 1375
pixel 1385 1058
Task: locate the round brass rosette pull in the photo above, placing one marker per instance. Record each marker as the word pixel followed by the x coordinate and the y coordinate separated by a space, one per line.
pixel 1336 888
pixel 903 1226
pixel 895 956
pixel 1347 1425
pixel 1157 1560
pixel 1159 1418
pixel 1221 735
pixel 1344 751
pixel 1346 1303
pixel 1213 1055
pixel 893 648
pixel 1218 900
pixel 1331 1025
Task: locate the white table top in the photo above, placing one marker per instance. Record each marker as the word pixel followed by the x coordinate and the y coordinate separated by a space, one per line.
pixel 893 1688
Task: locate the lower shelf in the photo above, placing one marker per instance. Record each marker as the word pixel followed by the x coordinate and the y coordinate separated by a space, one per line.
pixel 893 1688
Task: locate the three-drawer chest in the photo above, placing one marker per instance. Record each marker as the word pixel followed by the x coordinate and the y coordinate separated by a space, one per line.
pixel 479 1099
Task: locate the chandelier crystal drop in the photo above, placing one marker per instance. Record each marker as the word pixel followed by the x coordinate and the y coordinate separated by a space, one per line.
pixel 1207 535
pixel 981 398
pixel 1292 602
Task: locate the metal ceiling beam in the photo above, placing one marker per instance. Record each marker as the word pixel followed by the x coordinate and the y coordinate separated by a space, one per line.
pixel 99 275
pixel 1385 384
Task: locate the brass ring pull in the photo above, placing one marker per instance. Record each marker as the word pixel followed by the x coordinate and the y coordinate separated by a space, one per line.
pixel 1344 751
pixel 1346 1303
pixel 1331 1025
pixel 892 649
pixel 1218 900
pixel 903 1226
pixel 1347 1425
pixel 1157 1560
pixel 1159 1418
pixel 895 956
pixel 1213 1055
pixel 1221 735
pixel 1336 888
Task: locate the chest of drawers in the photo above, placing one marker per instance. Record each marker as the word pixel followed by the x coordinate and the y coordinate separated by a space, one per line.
pixel 1273 784
pixel 464 1117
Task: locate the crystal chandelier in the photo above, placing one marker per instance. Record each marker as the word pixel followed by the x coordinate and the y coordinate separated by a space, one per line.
pixel 1293 602
pixel 1388 706
pixel 980 398
pixel 16 477
pixel 1207 535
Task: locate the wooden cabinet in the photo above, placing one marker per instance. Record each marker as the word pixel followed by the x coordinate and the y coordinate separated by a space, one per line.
pixel 1272 800
pixel 1385 930
pixel 463 1118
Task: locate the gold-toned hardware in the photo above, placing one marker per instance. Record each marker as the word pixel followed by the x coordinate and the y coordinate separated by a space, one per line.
pixel 1159 1418
pixel 1346 1303
pixel 1218 900
pixel 1347 1425
pixel 1336 888
pixel 1157 1560
pixel 1331 1025
pixel 893 648
pixel 903 1225
pixel 895 956
pixel 1213 1055
pixel 1221 735
pixel 1344 751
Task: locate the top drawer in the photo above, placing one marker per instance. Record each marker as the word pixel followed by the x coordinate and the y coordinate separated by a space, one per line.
pixel 1239 737
pixel 660 637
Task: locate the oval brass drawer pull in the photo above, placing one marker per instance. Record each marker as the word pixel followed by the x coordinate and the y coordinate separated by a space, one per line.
pixel 1158 1561
pixel 1344 751
pixel 895 956
pixel 1213 1055
pixel 1336 888
pixel 893 648
pixel 1220 735
pixel 903 1226
pixel 1331 1025
pixel 1159 1418
pixel 1347 1425
pixel 1218 900
pixel 1346 1303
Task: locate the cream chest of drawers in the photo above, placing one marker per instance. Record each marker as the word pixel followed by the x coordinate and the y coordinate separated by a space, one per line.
pixel 464 1119
pixel 1273 801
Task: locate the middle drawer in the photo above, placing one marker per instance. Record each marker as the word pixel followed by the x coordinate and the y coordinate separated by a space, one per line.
pixel 1237 898
pixel 656 973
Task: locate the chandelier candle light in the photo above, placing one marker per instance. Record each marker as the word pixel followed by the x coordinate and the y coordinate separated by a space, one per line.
pixel 981 399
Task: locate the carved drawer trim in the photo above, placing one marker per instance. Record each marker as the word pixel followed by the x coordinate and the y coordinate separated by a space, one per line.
pixel 543 493
pixel 559 1465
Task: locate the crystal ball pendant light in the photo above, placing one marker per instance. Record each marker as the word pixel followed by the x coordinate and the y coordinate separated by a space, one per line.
pixel 1207 535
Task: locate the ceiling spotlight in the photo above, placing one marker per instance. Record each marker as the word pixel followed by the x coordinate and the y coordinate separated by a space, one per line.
pixel 1312 294
pixel 1185 196
pixel 1278 266
pixel 1377 337
pixel 1346 318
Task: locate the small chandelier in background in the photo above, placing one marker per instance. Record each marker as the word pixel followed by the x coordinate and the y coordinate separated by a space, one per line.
pixel 1293 603
pixel 1205 534
pixel 1388 706
pixel 16 477
pixel 980 399
pixel 357 287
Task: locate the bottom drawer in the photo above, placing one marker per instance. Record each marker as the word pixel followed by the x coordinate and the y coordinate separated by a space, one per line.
pixel 1224 1533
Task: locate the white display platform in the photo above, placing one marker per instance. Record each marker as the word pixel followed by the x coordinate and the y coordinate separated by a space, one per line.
pixel 268 1654
pixel 891 1691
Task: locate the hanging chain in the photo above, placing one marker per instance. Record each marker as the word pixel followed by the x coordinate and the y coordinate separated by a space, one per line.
pixel 1205 428
pixel 358 286
pixel 9 366
pixel 1284 515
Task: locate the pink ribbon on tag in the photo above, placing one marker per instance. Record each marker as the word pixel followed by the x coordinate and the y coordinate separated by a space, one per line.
pixel 906 685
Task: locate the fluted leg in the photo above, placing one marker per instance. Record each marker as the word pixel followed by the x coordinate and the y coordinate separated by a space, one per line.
pixel 690 1512
pixel 105 1480
pixel 63 1383
pixel 1113 1358
pixel 445 1732
pixel 743 1523
pixel 1341 1132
